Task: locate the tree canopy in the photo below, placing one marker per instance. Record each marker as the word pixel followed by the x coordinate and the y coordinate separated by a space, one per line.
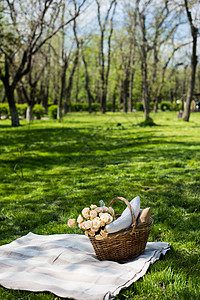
pixel 109 52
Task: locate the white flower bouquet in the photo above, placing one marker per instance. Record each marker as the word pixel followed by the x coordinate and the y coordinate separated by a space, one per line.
pixel 93 220
pixel 116 237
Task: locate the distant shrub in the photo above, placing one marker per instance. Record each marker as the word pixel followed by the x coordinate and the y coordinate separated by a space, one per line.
pixel 176 106
pixel 151 105
pixel 84 107
pixel 79 106
pixel 38 111
pixel 53 111
pixel 95 107
pixel 4 109
pixel 109 106
pixel 75 107
pixel 21 109
pixel 139 106
pixel 165 105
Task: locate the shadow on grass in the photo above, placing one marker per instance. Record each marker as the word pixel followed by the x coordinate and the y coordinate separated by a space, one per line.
pixel 70 164
pixel 56 147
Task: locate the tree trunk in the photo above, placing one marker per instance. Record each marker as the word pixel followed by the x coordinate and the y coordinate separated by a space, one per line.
pixel 29 112
pixel 87 83
pixel 155 107
pixel 67 101
pixel 102 75
pixel 145 90
pixel 175 92
pixel 144 46
pixel 4 98
pixel 77 85
pixel 184 81
pixel 125 96
pixel 130 104
pixel 145 99
pixel 194 33
pixel 56 88
pixel 126 84
pixel 12 106
pixel 103 102
pixel 46 96
pixel 120 94
pixel 97 92
pixel 41 92
pixel 157 101
pixel 171 95
pixel 63 83
pixel 9 93
pixel 186 113
pixel 21 100
pixel 114 99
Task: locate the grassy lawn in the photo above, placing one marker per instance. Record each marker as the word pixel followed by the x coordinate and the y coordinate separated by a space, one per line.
pixel 49 171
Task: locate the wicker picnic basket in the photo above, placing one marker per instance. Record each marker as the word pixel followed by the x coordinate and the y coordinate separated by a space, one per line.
pixel 123 245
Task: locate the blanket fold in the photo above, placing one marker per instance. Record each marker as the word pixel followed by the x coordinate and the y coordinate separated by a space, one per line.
pixel 66 265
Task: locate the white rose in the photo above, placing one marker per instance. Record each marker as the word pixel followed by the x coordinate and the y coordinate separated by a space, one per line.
pixel 86 233
pixel 111 219
pixel 85 212
pixel 111 211
pixel 79 219
pixel 105 218
pixel 82 225
pixel 94 229
pixel 98 209
pixel 96 223
pixel 92 233
pixel 102 224
pixel 92 206
pixel 88 224
pixel 93 214
pixel 104 208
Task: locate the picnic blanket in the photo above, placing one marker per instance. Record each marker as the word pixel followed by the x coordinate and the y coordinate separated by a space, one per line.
pixel 66 265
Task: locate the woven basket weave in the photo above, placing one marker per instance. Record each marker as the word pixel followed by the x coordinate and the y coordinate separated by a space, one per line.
pixel 123 245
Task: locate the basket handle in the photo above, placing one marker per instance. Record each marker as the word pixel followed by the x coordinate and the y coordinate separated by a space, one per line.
pixel 129 206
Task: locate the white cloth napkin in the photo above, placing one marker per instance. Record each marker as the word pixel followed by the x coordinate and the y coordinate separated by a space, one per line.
pixel 125 220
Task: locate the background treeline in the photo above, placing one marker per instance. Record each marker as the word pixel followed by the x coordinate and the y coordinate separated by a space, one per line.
pixel 39 110
pixel 62 56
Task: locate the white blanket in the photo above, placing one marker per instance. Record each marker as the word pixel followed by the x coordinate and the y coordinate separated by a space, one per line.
pixel 66 265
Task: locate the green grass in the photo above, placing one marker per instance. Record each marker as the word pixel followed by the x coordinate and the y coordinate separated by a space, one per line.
pixel 49 171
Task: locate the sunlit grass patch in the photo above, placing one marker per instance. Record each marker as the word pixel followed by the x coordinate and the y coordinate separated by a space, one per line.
pixel 49 171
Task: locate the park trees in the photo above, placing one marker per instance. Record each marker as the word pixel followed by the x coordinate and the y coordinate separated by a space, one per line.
pixel 29 86
pixel 194 33
pixel 152 35
pixel 127 46
pixel 104 69
pixel 87 79
pixel 127 50
pixel 66 87
pixel 147 30
pixel 30 26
